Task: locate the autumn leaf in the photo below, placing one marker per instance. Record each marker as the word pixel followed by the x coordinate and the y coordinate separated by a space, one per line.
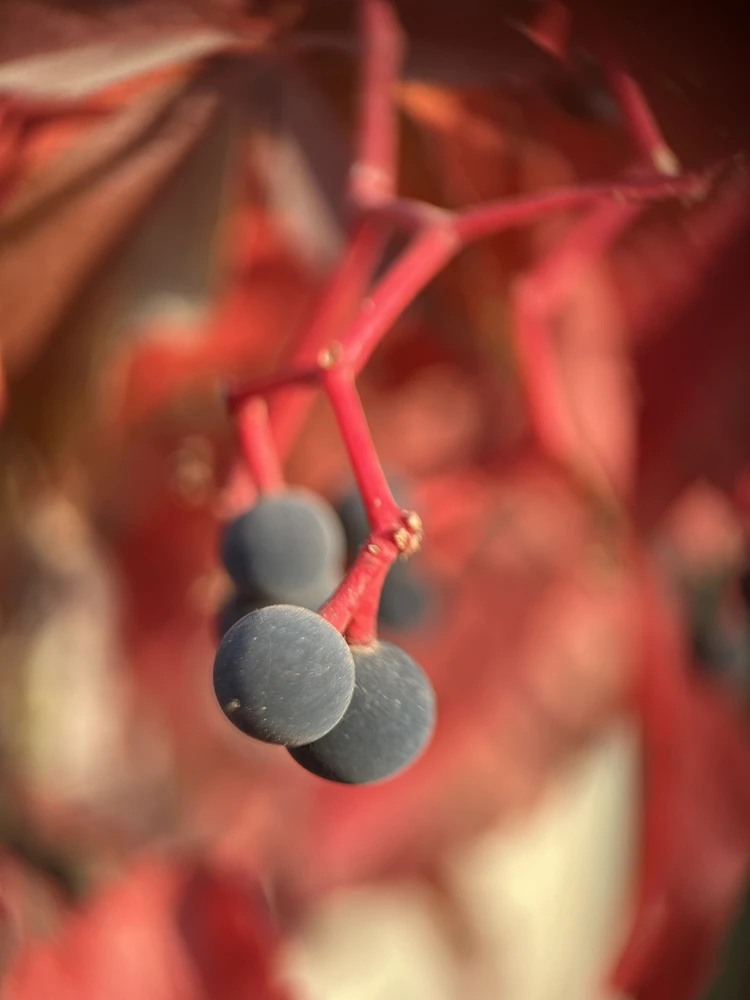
pixel 162 930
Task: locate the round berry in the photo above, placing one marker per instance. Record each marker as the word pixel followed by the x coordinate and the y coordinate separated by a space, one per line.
pixel 283 675
pixel 388 723
pixel 404 599
pixel 287 549
pixel 233 608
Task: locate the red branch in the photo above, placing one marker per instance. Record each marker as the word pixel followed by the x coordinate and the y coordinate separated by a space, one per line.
pixel 258 449
pixel 359 592
pixel 641 125
pixel 492 218
pixel 349 321
pixel 381 509
pixel 661 706
pixel 435 245
pixel 337 304
pixel 428 253
pixel 237 396
pixel 536 300
pixel 373 173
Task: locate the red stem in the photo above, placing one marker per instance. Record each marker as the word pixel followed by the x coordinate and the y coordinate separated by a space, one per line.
pixel 536 298
pixel 365 576
pixel 383 513
pixel 435 245
pixel 439 235
pixel 661 704
pixel 405 214
pixel 545 401
pixel 278 380
pixel 550 29
pixel 363 627
pixel 425 256
pixel 590 238
pixel 639 119
pixel 258 447
pixel 493 217
pixel 336 306
pixel 428 253
pixel 373 172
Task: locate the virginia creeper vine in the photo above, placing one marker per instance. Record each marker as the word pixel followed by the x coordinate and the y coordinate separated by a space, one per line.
pixel 351 318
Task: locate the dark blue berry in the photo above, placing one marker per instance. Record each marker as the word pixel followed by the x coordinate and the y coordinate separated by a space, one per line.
pixel 388 723
pixel 233 608
pixel 287 549
pixel 283 675
pixel 404 599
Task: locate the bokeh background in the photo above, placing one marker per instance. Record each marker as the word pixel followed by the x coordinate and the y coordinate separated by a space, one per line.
pixel 169 210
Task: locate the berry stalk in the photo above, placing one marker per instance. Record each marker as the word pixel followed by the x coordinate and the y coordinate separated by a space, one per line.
pixel 383 513
pixel 372 176
pixel 258 447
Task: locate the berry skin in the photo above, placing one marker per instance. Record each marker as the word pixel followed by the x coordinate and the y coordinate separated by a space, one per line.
pixel 235 607
pixel 388 723
pixel 351 512
pixel 287 549
pixel 230 612
pixel 404 599
pixel 284 675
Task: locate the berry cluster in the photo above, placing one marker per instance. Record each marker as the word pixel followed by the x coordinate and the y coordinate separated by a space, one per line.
pixel 286 549
pixel 350 707
pixel 352 713
pixel 289 549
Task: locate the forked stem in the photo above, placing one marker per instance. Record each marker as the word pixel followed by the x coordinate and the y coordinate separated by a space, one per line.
pixel 339 301
pixel 349 323
pixel 352 608
pixel 258 447
pixel 372 175
pixel 383 513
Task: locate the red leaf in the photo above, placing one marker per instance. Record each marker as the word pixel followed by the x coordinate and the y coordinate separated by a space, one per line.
pixel 164 931
pixel 684 288
pixel 695 848
pixel 711 867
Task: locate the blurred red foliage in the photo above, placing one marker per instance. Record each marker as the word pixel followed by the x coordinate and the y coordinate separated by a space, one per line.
pixel 164 930
pixel 551 616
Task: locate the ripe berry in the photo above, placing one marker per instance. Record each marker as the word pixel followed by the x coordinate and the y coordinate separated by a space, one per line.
pixel 351 512
pixel 233 608
pixel 283 675
pixel 287 549
pixel 387 724
pixel 404 599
